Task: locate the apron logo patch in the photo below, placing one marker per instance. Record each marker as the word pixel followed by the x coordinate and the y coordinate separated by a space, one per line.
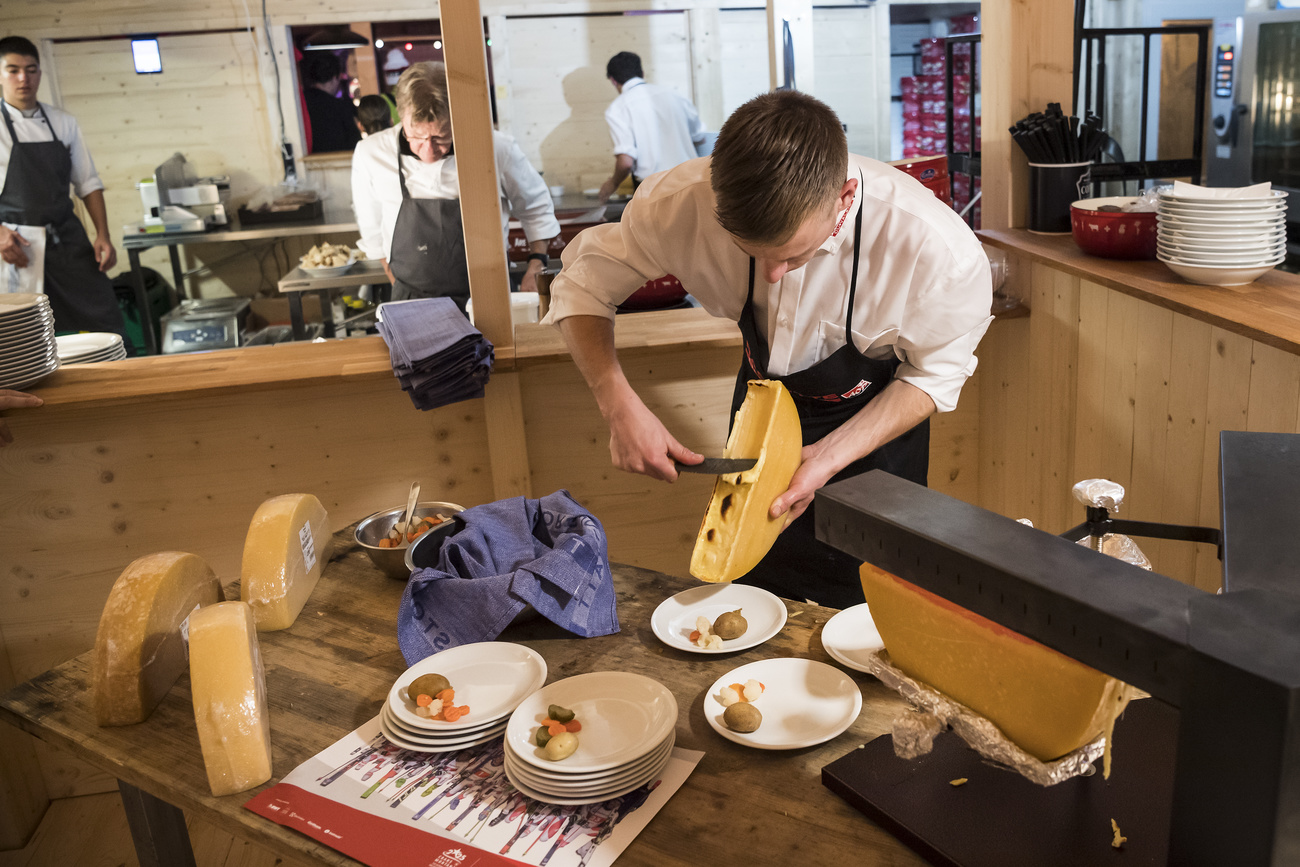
pixel 857 389
pixel 423 248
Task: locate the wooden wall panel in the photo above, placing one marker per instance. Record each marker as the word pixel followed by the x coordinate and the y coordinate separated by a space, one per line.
pixel 1004 418
pixel 852 73
pixel 1185 442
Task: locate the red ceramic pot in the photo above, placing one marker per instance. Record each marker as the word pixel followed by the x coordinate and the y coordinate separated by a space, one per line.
pixel 1113 234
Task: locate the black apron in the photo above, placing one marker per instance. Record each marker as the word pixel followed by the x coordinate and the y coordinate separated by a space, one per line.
pixel 826 395
pixel 427 257
pixel 36 194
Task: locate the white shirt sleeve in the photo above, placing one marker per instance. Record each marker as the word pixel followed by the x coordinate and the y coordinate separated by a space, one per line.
pixel 366 202
pixel 619 120
pixel 525 192
pixel 694 125
pixel 85 180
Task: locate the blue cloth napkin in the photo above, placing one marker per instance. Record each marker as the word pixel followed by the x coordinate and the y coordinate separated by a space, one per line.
pixel 549 553
pixel 438 357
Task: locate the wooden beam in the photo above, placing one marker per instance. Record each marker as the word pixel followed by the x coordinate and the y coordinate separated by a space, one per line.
pixel 704 27
pixel 799 14
pixel 480 200
pixel 503 414
pixel 23 797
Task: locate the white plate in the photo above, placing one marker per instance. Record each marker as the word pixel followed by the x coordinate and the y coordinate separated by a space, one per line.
pixel 1207 275
pixel 1263 209
pixel 94 343
pixel 1227 252
pixel 430 748
pixel 1171 231
pixel 805 703
pixel 674 619
pixel 39 321
pixel 1227 222
pixel 424 734
pixel 492 677
pixel 21 381
pixel 16 304
pixel 23 354
pixel 623 716
pixel 1270 197
pixel 564 786
pixel 1220 261
pixel 590 799
pixel 850 637
pixel 460 738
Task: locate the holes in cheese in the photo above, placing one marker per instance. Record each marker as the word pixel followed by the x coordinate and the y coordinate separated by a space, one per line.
pixel 287 546
pixel 1045 702
pixel 229 692
pixel 140 646
pixel 736 531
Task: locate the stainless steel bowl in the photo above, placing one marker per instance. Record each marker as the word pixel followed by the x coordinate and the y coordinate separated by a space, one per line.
pixel 392 561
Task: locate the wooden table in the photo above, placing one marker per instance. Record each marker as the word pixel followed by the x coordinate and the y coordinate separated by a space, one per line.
pixel 332 669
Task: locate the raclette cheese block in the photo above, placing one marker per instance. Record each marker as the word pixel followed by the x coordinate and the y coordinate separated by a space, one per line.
pixel 737 530
pixel 229 692
pixel 140 646
pixel 287 546
pixel 1045 702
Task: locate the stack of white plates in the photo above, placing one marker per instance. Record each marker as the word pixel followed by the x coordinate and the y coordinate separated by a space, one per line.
pixel 1221 242
pixel 27 349
pixel 629 726
pixel 90 347
pixel 490 677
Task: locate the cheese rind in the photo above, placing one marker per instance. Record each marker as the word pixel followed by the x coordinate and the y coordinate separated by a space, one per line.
pixel 139 647
pixel 229 692
pixel 1045 702
pixel 737 531
pixel 287 545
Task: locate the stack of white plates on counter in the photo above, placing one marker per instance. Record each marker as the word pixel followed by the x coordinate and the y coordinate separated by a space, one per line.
pixel 27 349
pixel 1228 239
pixel 629 725
pixel 490 677
pixel 90 347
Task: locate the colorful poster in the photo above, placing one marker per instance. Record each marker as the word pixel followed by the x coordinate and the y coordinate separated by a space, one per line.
pixel 391 807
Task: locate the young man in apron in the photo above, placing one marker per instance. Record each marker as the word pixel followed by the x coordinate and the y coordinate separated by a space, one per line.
pixel 852 284
pixel 41 155
pixel 406 195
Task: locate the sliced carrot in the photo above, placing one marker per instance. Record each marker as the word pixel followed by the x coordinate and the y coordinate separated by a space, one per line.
pixel 548 722
pixel 447 695
pixel 557 729
pixel 450 713
pixel 695 635
pixel 385 543
pixel 573 726
pixel 464 709
pixel 738 687
pixel 424 700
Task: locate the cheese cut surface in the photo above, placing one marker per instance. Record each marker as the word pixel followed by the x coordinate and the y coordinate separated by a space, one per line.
pixel 140 647
pixel 287 546
pixel 736 531
pixel 1044 701
pixel 229 692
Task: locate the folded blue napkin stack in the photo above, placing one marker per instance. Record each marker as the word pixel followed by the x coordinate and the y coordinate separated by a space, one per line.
pixel 549 553
pixel 437 355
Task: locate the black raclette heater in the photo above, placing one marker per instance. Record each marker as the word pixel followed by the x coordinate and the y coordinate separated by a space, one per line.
pixel 1206 773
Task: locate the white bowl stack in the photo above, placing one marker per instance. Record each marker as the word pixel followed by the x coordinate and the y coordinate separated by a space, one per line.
pixel 27 349
pixel 1228 240
pixel 629 725
pixel 90 347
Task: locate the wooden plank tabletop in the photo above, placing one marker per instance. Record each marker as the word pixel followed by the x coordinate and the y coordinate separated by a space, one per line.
pixel 332 669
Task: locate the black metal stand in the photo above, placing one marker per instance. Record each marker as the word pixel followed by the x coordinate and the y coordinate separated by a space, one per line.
pixel 157 828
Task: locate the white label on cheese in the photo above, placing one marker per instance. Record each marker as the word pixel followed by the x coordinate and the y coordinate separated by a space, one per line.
pixel 308 547
pixel 185 629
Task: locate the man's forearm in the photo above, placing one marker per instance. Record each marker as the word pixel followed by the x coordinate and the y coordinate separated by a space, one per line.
pixel 94 202
pixel 895 411
pixel 591 344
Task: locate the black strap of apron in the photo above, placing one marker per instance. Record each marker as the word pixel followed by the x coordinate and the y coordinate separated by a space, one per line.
pixel 9 122
pixel 401 178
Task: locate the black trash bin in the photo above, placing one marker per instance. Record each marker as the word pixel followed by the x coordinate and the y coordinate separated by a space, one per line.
pixel 156 290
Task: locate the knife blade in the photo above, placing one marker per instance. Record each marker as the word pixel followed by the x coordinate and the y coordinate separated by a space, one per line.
pixel 717 466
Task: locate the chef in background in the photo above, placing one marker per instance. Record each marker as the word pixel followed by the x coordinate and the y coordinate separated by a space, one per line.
pixel 853 285
pixel 333 119
pixel 407 196
pixel 41 155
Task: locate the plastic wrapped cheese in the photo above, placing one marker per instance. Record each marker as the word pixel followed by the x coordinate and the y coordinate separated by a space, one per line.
pixel 287 545
pixel 737 530
pixel 229 692
pixel 1044 701
pixel 140 648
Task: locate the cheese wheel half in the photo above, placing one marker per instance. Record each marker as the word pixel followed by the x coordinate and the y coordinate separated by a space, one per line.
pixel 229 692
pixel 737 531
pixel 1045 702
pixel 287 545
pixel 140 645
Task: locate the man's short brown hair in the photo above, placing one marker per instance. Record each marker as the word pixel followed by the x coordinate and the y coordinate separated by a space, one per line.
pixel 779 159
pixel 422 93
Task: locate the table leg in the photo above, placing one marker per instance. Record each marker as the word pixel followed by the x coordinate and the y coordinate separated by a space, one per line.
pixel 295 316
pixel 158 829
pixel 327 312
pixel 142 304
pixel 177 275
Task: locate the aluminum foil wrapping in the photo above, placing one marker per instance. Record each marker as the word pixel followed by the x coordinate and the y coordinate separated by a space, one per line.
pixel 1108 495
pixel 1102 493
pixel 915 730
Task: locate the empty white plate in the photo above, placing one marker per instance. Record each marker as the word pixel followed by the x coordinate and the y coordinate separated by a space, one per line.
pixel 492 677
pixel 674 619
pixel 805 703
pixel 850 637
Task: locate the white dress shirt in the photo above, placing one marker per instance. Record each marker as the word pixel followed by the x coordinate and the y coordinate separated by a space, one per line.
pixel 653 125
pixel 30 127
pixel 377 194
pixel 924 285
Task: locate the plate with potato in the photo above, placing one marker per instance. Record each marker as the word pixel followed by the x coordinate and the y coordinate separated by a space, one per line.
pixel 782 704
pixel 328 260
pixel 718 618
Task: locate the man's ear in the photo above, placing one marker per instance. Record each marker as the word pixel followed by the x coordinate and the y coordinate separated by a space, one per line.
pixel 847 192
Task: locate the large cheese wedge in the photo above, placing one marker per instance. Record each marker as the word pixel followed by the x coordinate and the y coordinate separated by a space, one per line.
pixel 287 545
pixel 1045 702
pixel 737 532
pixel 229 692
pixel 140 646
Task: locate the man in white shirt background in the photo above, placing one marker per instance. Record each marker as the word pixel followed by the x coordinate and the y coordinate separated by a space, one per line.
pixel 653 128
pixel 41 155
pixel 853 285
pixel 406 195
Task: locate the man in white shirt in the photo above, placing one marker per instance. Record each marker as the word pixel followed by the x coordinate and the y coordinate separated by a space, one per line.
pixel 41 155
pixel 653 128
pixel 852 283
pixel 406 195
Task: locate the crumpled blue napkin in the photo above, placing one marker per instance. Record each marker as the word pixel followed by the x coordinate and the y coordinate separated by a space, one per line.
pixel 436 354
pixel 550 553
